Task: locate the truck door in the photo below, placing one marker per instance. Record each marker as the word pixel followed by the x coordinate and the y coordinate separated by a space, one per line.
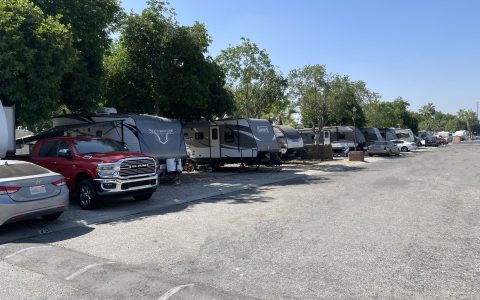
pixel 326 137
pixel 215 142
pixel 46 156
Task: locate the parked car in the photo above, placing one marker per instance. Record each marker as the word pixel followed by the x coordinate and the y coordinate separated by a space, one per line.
pixel 383 148
pixel 441 141
pixel 405 146
pixel 431 141
pixel 28 190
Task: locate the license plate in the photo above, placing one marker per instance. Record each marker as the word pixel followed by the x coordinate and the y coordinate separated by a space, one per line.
pixel 39 189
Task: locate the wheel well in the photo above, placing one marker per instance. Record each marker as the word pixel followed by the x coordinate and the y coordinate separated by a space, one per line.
pixel 80 177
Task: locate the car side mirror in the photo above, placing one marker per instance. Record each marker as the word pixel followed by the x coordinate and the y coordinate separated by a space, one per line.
pixel 65 153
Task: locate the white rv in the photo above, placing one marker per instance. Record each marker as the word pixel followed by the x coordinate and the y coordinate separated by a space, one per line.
pixel 156 136
pixel 245 141
pixel 405 134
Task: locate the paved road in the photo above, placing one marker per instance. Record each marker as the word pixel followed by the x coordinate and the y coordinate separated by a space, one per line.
pixel 405 227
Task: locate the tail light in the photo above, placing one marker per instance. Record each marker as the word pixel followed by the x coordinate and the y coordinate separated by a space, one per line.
pixel 59 182
pixel 5 190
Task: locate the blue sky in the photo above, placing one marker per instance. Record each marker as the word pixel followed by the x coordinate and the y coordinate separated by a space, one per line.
pixel 423 51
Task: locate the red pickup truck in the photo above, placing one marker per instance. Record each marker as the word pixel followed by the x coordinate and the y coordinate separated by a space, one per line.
pixel 97 167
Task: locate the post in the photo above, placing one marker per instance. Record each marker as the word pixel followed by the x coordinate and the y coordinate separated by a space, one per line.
pixel 354 110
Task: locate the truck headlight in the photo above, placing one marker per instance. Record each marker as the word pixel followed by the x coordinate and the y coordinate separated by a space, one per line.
pixel 108 170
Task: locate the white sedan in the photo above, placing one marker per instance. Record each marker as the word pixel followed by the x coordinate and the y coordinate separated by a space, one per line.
pixel 405 146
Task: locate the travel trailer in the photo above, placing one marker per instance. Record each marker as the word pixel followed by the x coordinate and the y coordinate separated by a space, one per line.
pixel 463 134
pixel 244 141
pixel 340 137
pixel 4 132
pixel 290 141
pixel 405 134
pixel 7 132
pixel 388 134
pixel 371 135
pixel 156 136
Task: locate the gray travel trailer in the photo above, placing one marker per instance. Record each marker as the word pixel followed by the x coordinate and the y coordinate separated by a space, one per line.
pixel 244 141
pixel 156 136
pixel 388 134
pixel 340 137
pixel 405 134
pixel 7 145
pixel 291 143
pixel 371 135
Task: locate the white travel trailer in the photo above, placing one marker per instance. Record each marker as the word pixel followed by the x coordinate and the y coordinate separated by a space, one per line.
pixel 156 136
pixel 7 132
pixel 290 141
pixel 405 134
pixel 463 134
pixel 4 132
pixel 244 141
pixel 371 135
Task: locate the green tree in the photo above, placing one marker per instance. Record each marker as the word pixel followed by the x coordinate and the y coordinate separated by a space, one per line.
pixel 160 67
pixel 257 87
pixel 343 95
pixel 91 23
pixel 308 88
pixel 35 53
pixel 469 118
pixel 427 115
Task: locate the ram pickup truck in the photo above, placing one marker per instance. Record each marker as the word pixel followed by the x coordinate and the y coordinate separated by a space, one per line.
pixel 97 167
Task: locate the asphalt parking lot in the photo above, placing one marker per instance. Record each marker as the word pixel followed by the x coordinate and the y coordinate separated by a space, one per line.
pixel 399 227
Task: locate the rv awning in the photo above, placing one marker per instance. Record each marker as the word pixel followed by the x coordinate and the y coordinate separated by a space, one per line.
pixel 60 131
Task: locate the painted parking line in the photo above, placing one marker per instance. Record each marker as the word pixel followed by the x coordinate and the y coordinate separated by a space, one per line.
pixel 86 268
pixel 25 250
pixel 173 291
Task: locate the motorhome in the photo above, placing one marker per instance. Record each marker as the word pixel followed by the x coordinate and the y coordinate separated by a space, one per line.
pixel 405 134
pixel 244 141
pixel 371 135
pixel 141 133
pixel 290 141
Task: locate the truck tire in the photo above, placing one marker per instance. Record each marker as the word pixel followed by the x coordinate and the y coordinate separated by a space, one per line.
pixel 52 217
pixel 87 195
pixel 143 197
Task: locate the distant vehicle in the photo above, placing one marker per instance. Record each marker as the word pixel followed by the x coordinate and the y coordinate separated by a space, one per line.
pixel 431 141
pixel 442 141
pixel 446 135
pixel 383 148
pixel 424 135
pixel 405 146
pixel 463 134
pixel 405 134
pixel 27 190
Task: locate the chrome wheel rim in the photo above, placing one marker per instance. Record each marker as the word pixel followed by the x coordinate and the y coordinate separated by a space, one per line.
pixel 85 195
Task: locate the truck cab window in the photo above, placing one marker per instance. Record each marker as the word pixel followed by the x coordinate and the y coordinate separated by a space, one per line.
pixel 49 149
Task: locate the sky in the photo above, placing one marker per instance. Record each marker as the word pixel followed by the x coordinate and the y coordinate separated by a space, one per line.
pixel 421 50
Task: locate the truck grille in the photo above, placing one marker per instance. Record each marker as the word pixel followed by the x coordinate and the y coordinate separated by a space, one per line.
pixel 137 167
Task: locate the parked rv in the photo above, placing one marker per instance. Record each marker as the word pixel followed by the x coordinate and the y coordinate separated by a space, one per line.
pixel 290 141
pixel 308 135
pixel 446 135
pixel 159 137
pixel 463 134
pixel 388 134
pixel 340 137
pixel 244 141
pixel 405 134
pixel 371 135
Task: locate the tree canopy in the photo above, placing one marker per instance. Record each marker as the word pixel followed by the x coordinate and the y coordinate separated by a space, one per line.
pixel 160 67
pixel 257 87
pixel 35 54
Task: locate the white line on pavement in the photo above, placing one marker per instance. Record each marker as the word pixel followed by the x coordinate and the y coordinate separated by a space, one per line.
pixel 173 291
pixel 26 249
pixel 86 268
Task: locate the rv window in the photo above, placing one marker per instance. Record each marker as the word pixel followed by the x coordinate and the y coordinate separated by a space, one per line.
pixel 325 134
pixel 49 149
pixel 199 135
pixel 214 133
pixel 229 135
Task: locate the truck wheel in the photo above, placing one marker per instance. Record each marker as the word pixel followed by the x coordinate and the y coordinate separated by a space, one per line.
pixel 52 217
pixel 86 195
pixel 143 197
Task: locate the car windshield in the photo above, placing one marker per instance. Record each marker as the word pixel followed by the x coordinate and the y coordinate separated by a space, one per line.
pixel 97 146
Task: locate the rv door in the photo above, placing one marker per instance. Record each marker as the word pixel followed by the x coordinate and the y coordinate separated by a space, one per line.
pixel 214 142
pixel 326 137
